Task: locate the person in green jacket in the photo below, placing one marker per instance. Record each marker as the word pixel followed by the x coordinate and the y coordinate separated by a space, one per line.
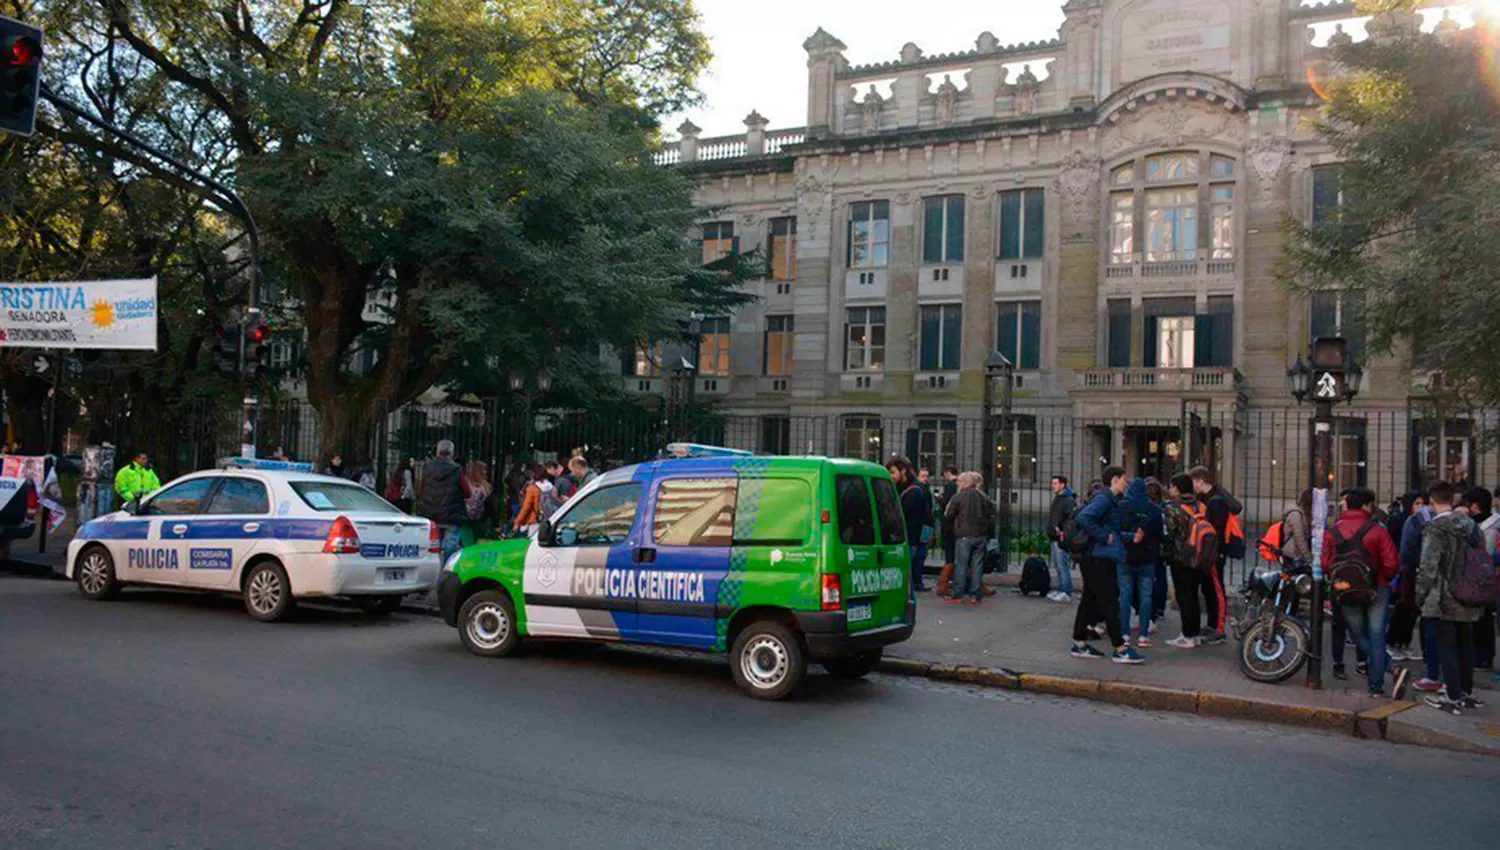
pixel 136 480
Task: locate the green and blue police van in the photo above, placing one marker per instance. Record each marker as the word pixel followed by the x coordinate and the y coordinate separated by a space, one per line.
pixel 777 561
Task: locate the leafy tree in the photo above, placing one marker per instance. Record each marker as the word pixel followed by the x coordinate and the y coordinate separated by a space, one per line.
pixel 1415 121
pixel 484 163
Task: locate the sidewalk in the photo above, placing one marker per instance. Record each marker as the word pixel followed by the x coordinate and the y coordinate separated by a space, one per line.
pixel 1019 642
pixel 1023 641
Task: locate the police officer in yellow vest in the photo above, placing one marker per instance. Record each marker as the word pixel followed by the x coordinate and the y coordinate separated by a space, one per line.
pixel 136 479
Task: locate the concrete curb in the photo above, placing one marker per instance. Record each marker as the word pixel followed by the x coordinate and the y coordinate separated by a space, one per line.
pixel 1379 723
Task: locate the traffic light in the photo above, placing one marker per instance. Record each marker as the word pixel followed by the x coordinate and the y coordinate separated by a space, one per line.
pixel 20 76
pixel 227 350
pixel 257 349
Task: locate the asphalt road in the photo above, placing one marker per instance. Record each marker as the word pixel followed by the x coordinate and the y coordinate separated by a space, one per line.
pixel 172 720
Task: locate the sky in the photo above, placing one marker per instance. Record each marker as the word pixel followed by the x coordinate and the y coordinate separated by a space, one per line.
pixel 759 62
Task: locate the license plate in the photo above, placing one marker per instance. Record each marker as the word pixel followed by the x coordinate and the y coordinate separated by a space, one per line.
pixel 860 613
pixel 394 575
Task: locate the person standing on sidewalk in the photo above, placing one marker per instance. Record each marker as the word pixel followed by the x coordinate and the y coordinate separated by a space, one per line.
pixel 943 495
pixel 1444 540
pixel 1064 501
pixel 1358 538
pixel 441 495
pixel 972 515
pixel 1136 575
pixel 1157 495
pixel 1480 502
pixel 1101 519
pixel 1410 553
pixel 1220 509
pixel 1191 554
pixel 916 509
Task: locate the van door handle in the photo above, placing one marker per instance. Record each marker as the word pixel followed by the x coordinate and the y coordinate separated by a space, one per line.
pixel 645 556
pixel 252 527
pixel 180 528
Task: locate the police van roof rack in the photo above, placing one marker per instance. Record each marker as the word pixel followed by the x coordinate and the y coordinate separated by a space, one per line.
pixel 263 464
pixel 676 451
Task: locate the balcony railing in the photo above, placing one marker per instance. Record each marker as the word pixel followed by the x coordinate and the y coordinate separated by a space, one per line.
pixel 1200 267
pixel 1206 379
pixel 755 143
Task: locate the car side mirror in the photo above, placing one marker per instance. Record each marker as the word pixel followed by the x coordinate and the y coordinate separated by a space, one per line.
pixel 544 533
pixel 132 507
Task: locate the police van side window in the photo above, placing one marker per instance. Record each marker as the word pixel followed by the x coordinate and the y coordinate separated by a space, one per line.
pixel 695 512
pixel 240 496
pixel 892 521
pixel 856 523
pixel 184 498
pixel 603 518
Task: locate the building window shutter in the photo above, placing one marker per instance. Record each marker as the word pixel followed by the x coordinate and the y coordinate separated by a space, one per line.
pixel 1031 335
pixel 1035 223
pixel 955 252
pixel 1010 225
pixel 1118 356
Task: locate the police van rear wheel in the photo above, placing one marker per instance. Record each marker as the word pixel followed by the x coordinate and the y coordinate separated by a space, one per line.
pixel 268 594
pixel 487 624
pixel 855 666
pixel 767 660
pixel 96 574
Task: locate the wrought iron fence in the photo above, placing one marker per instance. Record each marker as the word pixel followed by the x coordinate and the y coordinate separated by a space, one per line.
pixel 1262 456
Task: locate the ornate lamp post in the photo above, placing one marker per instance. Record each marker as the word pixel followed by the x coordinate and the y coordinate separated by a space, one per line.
pixel 518 386
pixel 997 445
pixel 1329 376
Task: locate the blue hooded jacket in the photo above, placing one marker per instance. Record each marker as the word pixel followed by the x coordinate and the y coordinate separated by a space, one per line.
pixel 1101 519
pixel 1141 514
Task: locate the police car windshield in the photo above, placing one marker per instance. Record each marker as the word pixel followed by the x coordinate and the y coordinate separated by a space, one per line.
pixel 331 496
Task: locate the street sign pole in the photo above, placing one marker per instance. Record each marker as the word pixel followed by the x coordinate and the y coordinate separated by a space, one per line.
pixel 46 514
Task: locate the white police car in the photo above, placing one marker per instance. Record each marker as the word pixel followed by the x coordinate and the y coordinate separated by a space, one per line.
pixel 273 532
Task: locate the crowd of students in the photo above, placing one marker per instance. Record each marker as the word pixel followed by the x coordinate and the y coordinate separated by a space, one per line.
pixel 1389 571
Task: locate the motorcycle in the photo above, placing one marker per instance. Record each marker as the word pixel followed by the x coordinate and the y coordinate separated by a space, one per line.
pixel 1273 637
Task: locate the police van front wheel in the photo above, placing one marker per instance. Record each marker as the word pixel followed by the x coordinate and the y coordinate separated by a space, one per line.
pixel 767 660
pixel 487 624
pixel 95 574
pixel 268 594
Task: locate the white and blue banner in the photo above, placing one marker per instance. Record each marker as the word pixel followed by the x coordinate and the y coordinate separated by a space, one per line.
pixel 99 314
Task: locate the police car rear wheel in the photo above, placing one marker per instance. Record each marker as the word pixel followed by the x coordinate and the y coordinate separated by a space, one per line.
pixel 768 661
pixel 268 594
pixel 487 624
pixel 96 574
pixel 853 667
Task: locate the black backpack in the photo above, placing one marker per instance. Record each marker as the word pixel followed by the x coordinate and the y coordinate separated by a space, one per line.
pixel 1074 539
pixel 1474 582
pixel 1036 577
pixel 1351 577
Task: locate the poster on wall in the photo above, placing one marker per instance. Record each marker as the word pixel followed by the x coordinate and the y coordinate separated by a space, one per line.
pixel 99 314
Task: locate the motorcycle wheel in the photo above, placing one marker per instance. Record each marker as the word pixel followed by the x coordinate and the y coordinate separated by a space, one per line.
pixel 1271 657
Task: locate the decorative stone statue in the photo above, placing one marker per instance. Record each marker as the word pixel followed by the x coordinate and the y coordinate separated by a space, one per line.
pixel 1447 29
pixel 1339 37
pixel 1026 88
pixel 947 101
pixel 870 110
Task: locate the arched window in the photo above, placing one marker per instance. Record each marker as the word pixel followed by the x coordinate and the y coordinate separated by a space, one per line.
pixel 1172 207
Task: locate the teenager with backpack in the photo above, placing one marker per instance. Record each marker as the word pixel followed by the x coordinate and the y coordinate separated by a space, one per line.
pixel 1479 502
pixel 1361 562
pixel 1102 519
pixel 1450 541
pixel 1064 502
pixel 1222 511
pixel 1191 548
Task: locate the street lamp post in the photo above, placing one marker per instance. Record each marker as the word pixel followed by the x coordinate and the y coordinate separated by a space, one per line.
pixel 518 386
pixel 997 446
pixel 1330 375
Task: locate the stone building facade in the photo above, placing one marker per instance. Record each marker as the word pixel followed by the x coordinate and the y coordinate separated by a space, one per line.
pixel 1104 208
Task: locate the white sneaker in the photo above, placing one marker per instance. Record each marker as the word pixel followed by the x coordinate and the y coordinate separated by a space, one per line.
pixel 1396 653
pixel 1183 642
